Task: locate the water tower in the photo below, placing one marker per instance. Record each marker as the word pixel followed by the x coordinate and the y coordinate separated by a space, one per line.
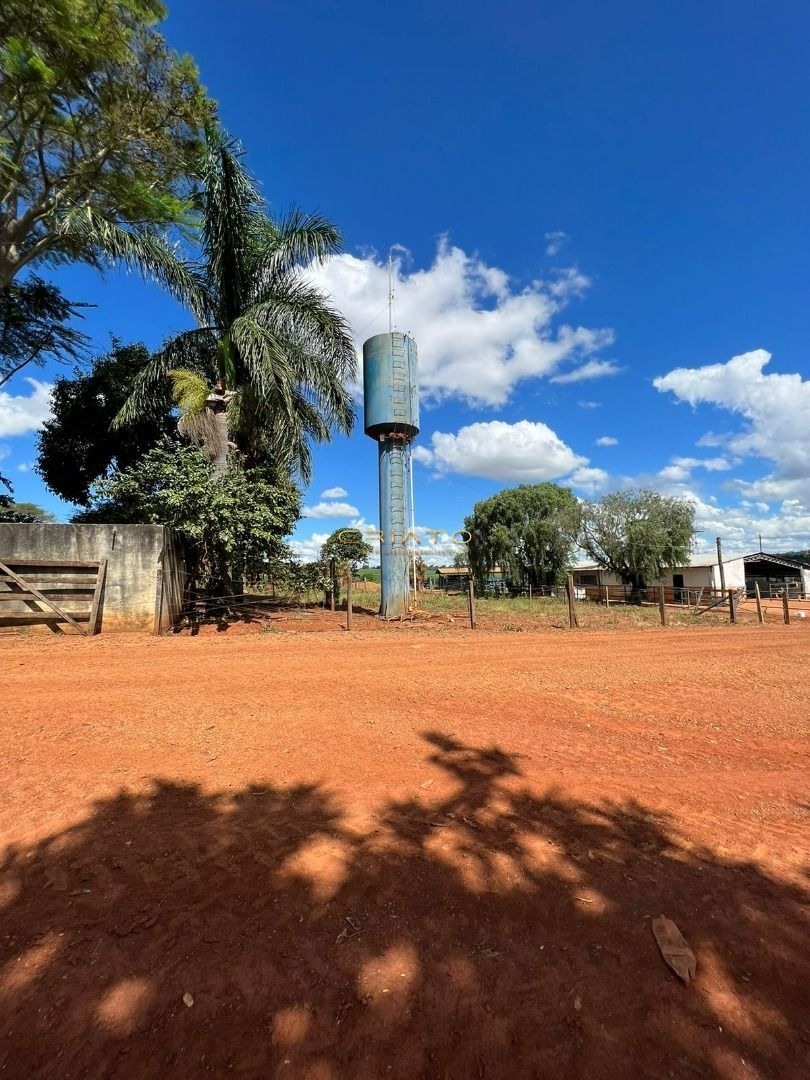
pixel 392 420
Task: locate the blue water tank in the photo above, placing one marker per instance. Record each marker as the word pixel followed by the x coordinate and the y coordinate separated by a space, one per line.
pixel 390 385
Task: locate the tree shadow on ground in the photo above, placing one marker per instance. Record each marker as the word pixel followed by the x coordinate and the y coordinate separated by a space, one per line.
pixel 492 932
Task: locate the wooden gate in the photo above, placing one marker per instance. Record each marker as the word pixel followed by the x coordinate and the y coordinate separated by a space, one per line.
pixel 52 593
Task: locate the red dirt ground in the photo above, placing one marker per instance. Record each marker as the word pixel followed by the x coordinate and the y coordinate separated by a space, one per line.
pixel 408 856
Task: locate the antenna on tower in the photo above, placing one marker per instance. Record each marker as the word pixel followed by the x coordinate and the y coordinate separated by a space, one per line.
pixel 392 317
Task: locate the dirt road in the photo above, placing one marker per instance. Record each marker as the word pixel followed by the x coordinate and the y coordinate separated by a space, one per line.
pixel 343 856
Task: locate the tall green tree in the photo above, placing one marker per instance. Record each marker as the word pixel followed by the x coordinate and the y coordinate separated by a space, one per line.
pixel 347 546
pixel 35 326
pixel 76 446
pixel 31 512
pixel 282 354
pixel 232 528
pixel 638 534
pixel 349 550
pixel 529 530
pixel 7 512
pixel 99 123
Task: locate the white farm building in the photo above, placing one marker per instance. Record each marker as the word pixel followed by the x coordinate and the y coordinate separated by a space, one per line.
pixel 771 572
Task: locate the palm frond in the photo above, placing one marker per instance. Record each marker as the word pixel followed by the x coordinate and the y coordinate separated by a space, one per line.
pixel 266 363
pixel 295 308
pixel 193 350
pixel 200 428
pixel 231 213
pixel 294 242
pixel 189 390
pixel 104 242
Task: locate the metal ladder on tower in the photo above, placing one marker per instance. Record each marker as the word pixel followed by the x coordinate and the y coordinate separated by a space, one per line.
pixel 397 484
pixel 400 390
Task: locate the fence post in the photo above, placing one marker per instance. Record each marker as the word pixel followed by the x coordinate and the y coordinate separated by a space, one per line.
pixel 732 614
pixel 331 584
pixel 471 599
pixel 786 606
pixel 662 606
pixel 759 603
pixel 349 599
pixel 572 611
pixel 607 595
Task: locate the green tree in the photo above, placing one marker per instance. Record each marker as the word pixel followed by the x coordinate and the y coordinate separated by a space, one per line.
pixel 231 528
pixel 8 512
pixel 347 547
pixel 99 122
pixel 349 550
pixel 34 326
pixel 76 445
pixel 31 512
pixel 282 354
pixel 529 530
pixel 638 534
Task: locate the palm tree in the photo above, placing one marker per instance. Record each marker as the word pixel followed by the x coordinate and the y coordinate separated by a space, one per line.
pixel 266 371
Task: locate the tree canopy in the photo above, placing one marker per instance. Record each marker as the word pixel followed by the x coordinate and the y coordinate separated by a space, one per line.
pixel 529 530
pixel 28 512
pixel 267 370
pixel 35 326
pixel 76 445
pixel 99 124
pixel 232 528
pixel 347 546
pixel 638 534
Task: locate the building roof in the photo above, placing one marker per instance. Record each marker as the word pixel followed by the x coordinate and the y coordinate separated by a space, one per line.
pixel 694 560
pixel 709 559
pixel 455 571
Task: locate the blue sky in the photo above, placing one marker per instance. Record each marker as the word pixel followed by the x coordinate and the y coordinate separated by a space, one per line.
pixel 590 197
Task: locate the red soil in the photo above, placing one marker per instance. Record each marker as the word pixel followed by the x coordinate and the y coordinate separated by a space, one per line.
pixel 404 855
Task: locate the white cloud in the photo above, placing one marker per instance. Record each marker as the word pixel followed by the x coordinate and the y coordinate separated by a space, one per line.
pixel 334 493
pixel 589 404
pixel 680 468
pixel 308 549
pixel 712 439
pixel 25 466
pixel 784 529
pixel 594 369
pixel 478 335
pixel 589 480
pixel 554 241
pixel 775 408
pixel 607 440
pixel 716 464
pixel 329 510
pixel 22 413
pixel 674 473
pixel 526 451
pixel 5 450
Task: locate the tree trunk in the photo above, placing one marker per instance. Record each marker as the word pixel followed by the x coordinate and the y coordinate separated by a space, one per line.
pixel 220 462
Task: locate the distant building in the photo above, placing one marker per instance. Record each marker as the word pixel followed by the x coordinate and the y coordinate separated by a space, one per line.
pixel 456 577
pixel 771 572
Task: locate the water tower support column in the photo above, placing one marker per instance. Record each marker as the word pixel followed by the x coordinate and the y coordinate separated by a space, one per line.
pixel 393 525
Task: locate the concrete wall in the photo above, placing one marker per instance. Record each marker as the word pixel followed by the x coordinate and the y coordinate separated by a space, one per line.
pixel 143 587
pixel 694 577
pixel 734 573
